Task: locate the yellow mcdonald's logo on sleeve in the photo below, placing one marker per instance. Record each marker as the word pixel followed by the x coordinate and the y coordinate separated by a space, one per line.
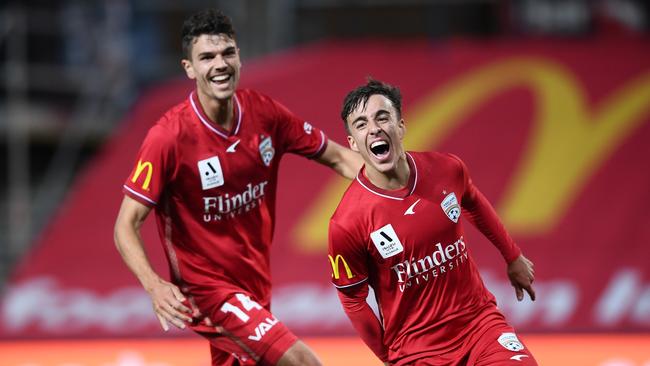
pixel 139 169
pixel 335 266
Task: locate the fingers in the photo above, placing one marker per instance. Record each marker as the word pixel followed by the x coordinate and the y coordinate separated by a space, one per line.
pixel 178 305
pixel 177 293
pixel 519 292
pixel 163 322
pixel 168 307
pixel 531 292
pixel 167 314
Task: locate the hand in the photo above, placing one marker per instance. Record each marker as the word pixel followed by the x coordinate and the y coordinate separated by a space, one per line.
pixel 522 275
pixel 167 304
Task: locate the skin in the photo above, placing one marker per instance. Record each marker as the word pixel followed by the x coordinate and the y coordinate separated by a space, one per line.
pixel 378 120
pixel 215 65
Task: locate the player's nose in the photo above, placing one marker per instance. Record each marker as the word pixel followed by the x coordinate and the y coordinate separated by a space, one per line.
pixel 373 128
pixel 220 63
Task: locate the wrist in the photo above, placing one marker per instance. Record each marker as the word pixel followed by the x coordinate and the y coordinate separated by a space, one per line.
pixel 149 281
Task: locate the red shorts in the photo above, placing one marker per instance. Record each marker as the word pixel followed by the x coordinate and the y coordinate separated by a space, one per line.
pixel 245 333
pixel 500 346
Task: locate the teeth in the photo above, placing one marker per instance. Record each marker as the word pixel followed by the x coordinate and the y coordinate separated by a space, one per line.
pixel 378 143
pixel 220 78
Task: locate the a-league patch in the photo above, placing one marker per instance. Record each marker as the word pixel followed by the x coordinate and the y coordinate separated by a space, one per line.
pixel 451 207
pixel 267 151
pixel 510 342
pixel 386 241
pixel 210 172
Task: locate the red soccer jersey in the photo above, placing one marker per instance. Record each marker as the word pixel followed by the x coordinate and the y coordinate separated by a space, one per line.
pixel 214 192
pixel 409 246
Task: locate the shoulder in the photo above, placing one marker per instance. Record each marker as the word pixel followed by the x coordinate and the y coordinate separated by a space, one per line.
pixel 434 160
pixel 348 212
pixel 170 125
pixel 252 98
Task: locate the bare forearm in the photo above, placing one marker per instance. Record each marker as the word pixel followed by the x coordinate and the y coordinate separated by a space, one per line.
pixel 131 248
pixel 129 243
pixel 343 161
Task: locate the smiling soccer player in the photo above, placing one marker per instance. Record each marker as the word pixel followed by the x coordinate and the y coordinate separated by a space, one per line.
pixel 397 229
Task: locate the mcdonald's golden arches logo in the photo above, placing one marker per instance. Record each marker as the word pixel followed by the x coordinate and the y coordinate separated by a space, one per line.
pixel 335 266
pixel 139 169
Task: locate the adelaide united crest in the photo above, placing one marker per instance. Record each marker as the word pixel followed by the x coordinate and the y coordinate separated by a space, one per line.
pixel 451 207
pixel 266 150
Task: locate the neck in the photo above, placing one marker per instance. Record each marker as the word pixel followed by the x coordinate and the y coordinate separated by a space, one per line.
pixel 219 111
pixel 396 178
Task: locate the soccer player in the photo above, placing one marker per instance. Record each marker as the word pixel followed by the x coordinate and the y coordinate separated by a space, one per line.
pixel 208 168
pixel 397 229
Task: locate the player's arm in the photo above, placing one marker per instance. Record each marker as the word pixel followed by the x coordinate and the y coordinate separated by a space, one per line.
pixel 363 319
pixel 343 160
pixel 349 275
pixel 478 210
pixel 165 296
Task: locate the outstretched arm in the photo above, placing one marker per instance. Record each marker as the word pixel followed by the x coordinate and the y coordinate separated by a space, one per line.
pixel 343 160
pixel 481 214
pixel 363 318
pixel 165 296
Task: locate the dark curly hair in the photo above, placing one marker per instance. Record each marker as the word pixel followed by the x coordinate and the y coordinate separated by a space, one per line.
pixel 360 95
pixel 209 21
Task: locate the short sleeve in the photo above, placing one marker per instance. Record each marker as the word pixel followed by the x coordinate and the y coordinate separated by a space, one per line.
pixel 150 170
pixel 347 257
pixel 297 135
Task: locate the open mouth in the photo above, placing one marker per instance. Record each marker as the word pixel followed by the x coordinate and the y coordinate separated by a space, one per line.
pixel 380 149
pixel 220 79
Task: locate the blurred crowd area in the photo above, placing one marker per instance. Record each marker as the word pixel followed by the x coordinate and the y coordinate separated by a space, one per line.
pixel 70 69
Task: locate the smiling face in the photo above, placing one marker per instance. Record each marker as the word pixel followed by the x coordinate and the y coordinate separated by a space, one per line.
pixel 376 132
pixel 215 65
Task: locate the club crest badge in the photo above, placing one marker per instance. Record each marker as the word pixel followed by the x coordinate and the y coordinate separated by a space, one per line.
pixel 267 151
pixel 451 207
pixel 510 342
pixel 307 127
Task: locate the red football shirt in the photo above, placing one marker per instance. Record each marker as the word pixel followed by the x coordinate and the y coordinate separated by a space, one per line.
pixel 409 246
pixel 214 192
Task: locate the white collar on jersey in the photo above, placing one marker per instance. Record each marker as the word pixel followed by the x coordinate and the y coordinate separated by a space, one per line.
pixel 415 182
pixel 209 124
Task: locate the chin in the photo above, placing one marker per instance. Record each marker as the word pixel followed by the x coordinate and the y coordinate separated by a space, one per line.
pixel 383 167
pixel 222 94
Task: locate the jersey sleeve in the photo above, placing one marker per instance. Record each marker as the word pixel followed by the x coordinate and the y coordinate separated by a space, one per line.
pixel 353 300
pixel 347 257
pixel 297 135
pixel 480 213
pixel 151 169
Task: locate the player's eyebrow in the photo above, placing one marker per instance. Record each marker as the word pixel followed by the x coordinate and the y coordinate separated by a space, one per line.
pixel 381 112
pixel 360 118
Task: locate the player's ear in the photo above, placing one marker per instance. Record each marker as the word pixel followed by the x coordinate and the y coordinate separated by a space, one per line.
pixel 353 144
pixel 401 128
pixel 189 69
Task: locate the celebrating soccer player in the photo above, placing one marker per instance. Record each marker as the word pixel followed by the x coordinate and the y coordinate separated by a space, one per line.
pixel 209 169
pixel 398 230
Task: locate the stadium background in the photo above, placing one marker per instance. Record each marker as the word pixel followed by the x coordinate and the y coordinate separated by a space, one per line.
pixel 547 101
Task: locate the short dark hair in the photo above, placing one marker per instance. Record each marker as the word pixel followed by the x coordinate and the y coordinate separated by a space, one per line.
pixel 209 21
pixel 360 95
